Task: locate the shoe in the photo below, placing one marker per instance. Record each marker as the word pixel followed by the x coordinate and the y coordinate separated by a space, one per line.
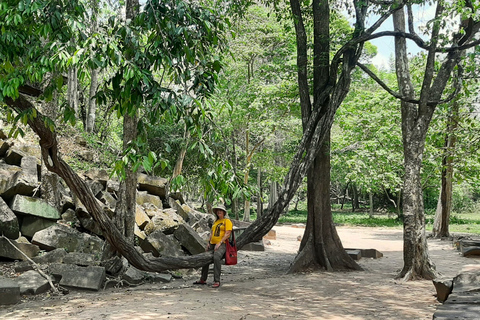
pixel 200 282
pixel 216 285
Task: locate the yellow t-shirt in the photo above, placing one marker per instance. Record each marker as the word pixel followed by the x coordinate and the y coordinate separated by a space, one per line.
pixel 218 230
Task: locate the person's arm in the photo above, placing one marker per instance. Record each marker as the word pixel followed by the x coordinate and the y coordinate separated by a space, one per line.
pixel 209 240
pixel 225 237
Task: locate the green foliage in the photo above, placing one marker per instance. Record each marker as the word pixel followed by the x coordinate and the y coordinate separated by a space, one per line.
pixel 160 62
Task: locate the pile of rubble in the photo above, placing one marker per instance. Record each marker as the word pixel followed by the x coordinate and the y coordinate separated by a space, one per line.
pixel 43 224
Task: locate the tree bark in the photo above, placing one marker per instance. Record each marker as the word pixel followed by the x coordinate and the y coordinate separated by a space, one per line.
pixel 417 263
pixel 259 194
pixel 92 103
pixel 126 204
pixel 370 200
pixel 72 89
pixel 444 206
pixel 321 247
pixel 181 156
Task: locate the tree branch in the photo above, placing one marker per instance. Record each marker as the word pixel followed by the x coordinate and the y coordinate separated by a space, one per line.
pixel 384 85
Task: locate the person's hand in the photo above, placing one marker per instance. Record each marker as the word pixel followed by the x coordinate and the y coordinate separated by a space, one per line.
pixel 217 246
pixel 208 246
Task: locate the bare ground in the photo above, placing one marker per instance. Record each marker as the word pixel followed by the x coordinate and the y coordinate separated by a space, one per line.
pixel 259 288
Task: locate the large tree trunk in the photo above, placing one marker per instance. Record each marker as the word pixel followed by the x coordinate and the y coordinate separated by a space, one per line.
pixel 417 263
pixel 321 247
pixel 444 206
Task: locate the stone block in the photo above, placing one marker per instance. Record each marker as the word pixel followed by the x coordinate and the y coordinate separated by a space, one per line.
pixel 14 156
pixel 113 186
pixel 32 224
pixel 371 253
pixel 141 217
pixel 72 276
pixel 355 254
pixel 165 220
pixel 107 199
pixel 467 281
pixel 153 185
pixel 159 244
pixel 31 282
pixel 176 205
pixel 271 235
pixel 139 233
pixel 9 226
pixel 9 291
pixel 457 311
pixel 34 206
pixel 368 253
pixel 82 259
pixel 133 276
pixel 443 287
pixel 463 298
pixel 60 236
pixel 7 251
pixel 4 146
pixel 189 239
pixel 99 175
pixel 143 197
pixel 87 222
pixel 254 246
pixel 16 181
pixel 95 186
pixel 158 277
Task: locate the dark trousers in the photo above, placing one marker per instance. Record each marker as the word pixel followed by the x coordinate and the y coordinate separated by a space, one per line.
pixel 217 263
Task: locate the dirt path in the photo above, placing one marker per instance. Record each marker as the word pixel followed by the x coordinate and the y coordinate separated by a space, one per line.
pixel 258 288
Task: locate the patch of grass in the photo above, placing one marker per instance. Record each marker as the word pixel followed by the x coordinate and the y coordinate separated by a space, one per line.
pixel 459 223
pixel 363 219
pixel 345 218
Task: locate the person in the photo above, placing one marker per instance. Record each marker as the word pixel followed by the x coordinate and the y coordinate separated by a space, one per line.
pixel 221 231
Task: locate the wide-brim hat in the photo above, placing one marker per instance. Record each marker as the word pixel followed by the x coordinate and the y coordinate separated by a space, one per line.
pixel 219 207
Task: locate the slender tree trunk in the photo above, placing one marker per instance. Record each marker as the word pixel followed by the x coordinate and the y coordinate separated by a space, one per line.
pixel 246 205
pixel 259 195
pixel 92 103
pixel 181 156
pixel 354 198
pixel 273 197
pixel 444 206
pixel 72 90
pixel 126 205
pixel 235 210
pixel 399 203
pixel 370 200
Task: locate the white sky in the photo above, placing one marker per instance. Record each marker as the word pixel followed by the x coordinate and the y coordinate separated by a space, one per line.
pixel 385 45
